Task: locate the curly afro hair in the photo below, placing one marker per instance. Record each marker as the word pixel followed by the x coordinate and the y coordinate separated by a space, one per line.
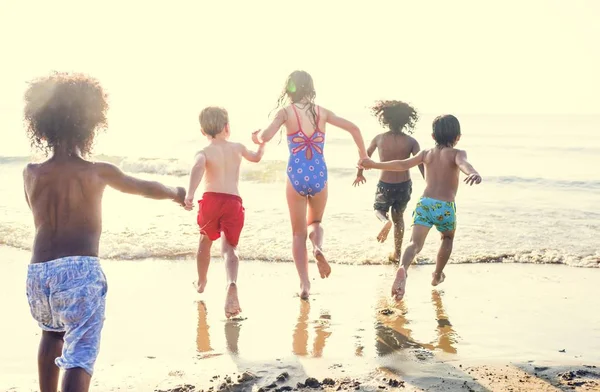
pixel 65 111
pixel 396 115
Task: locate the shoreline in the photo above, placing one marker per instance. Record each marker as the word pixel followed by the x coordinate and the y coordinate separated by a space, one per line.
pixel 160 334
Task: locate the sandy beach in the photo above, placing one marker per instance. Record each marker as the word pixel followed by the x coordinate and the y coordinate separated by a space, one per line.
pixel 489 327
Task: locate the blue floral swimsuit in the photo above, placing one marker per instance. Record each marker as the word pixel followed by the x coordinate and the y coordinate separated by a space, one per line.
pixel 306 169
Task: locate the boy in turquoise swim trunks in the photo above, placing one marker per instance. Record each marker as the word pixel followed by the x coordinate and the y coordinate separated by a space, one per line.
pixel 436 207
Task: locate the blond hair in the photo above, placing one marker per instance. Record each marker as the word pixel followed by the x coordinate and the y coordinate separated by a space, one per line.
pixel 213 120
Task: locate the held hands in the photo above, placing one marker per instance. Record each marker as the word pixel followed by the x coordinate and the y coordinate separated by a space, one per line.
pixel 473 179
pixel 255 138
pixel 180 197
pixel 366 163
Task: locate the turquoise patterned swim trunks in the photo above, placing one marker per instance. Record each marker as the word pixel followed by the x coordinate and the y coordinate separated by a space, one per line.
pixel 431 212
pixel 69 295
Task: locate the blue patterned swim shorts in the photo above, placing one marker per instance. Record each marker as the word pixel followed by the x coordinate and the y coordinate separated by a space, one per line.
pixel 69 295
pixel 431 212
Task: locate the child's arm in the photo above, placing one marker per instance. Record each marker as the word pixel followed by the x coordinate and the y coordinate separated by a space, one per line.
pixel 253 156
pixel 267 134
pixel 400 165
pixel 25 178
pixel 472 176
pixel 195 178
pixel 415 150
pixel 115 178
pixel 360 178
pixel 350 128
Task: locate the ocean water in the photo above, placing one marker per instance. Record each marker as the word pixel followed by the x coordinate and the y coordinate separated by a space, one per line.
pixel 539 201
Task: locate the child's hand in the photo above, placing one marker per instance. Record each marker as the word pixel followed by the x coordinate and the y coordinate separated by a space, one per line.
pixel 179 199
pixel 366 163
pixel 255 139
pixel 360 179
pixel 474 178
pixel 188 204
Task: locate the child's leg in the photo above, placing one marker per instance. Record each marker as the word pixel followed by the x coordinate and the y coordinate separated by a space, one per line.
pixel 203 261
pixel 417 239
pixel 419 234
pixel 297 208
pixel 443 256
pixel 76 380
pixel 398 219
pixel 316 208
pixel 387 225
pixel 51 346
pixel 232 261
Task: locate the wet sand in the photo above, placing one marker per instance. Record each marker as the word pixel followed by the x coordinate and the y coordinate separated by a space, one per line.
pixel 488 327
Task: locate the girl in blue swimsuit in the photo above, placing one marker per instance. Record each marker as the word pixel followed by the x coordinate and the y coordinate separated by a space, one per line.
pixel 306 189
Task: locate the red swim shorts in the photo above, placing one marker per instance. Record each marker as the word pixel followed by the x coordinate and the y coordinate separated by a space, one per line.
pixel 221 212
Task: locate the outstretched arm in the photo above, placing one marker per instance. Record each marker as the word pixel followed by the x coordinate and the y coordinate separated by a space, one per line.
pixel 115 178
pixel 400 165
pixel 195 178
pixel 352 129
pixel 415 151
pixel 472 176
pixel 267 134
pixel 360 178
pixel 253 156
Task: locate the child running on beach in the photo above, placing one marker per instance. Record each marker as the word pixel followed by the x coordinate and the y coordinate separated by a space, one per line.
pixel 220 209
pixel 394 188
pixel 436 207
pixel 306 189
pixel 66 288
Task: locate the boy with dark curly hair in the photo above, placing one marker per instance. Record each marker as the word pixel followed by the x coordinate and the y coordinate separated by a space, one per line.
pixel 394 188
pixel 66 288
pixel 436 207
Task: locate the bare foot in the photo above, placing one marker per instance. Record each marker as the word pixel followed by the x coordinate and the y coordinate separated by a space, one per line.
pixel 199 286
pixel 399 286
pixel 393 257
pixel 322 264
pixel 304 290
pixel 232 304
pixel 437 278
pixel 385 230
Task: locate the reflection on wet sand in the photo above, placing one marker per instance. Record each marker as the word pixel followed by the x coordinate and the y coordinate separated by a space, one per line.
pixel 232 336
pixel 393 334
pixel 446 335
pixel 300 335
pixel 202 335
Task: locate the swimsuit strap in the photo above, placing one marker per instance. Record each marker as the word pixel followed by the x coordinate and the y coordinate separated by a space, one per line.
pixel 318 117
pixel 297 117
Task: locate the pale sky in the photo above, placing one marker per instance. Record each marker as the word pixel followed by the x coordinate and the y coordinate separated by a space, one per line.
pixel 511 56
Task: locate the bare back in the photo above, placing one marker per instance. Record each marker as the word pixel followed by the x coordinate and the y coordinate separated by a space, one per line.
pixel 223 160
pixel 392 146
pixel 441 173
pixel 65 198
pixel 305 118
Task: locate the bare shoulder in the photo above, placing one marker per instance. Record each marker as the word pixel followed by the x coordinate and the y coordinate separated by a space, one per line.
pixel 426 154
pixel 104 169
pixel 239 147
pixel 412 140
pixel 30 169
pixel 459 153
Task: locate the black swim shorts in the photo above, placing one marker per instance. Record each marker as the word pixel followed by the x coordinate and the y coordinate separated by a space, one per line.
pixel 395 196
